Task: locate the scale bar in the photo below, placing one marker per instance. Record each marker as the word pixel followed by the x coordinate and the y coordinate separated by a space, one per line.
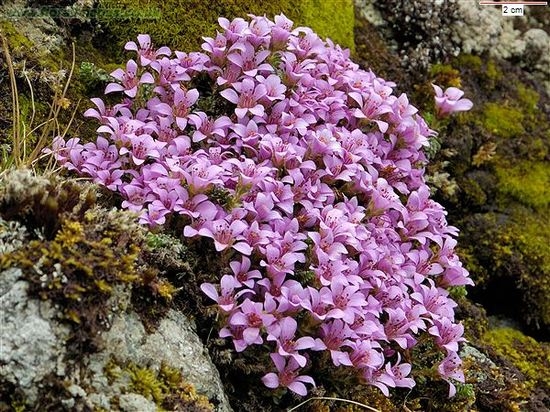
pixel 511 3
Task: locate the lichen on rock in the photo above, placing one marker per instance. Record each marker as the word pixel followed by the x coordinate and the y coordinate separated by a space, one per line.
pixel 67 305
pixel 32 337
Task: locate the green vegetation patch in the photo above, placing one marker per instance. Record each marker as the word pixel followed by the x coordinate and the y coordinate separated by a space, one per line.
pixel 529 356
pixel 181 24
pixel 527 182
pixel 502 120
pixel 509 259
pixel 168 388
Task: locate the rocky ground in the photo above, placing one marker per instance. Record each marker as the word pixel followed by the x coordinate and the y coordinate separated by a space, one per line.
pixel 99 314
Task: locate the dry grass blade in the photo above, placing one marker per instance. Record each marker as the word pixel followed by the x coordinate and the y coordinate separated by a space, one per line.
pixel 48 129
pixel 52 124
pixel 16 135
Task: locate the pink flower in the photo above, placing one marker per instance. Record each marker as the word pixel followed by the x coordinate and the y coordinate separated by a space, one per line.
pixel 110 179
pixel 451 368
pixel 280 32
pixel 371 107
pixel 346 301
pixel 135 196
pixel 143 146
pixel 192 62
pixel 145 50
pixel 335 336
pixel 250 61
pixel 129 80
pixel 233 29
pixel 287 376
pixel 366 354
pixel 247 99
pixel 258 32
pixel 201 175
pixel 287 345
pixel 206 127
pixel 242 272
pixel 216 47
pixel 447 334
pixel 305 43
pixel 397 328
pixel 307 173
pixel 316 302
pixel 102 113
pixel 277 262
pixel 168 73
pixel 394 376
pixel 450 101
pixel 155 214
pixel 225 235
pixel 275 90
pixel 181 106
pixel 227 299
pixel 252 317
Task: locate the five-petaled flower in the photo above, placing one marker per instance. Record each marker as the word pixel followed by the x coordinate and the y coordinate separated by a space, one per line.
pixel 287 375
pixel 449 101
pixel 129 80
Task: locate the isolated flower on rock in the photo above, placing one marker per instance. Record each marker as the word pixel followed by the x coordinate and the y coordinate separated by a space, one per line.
pixel 449 101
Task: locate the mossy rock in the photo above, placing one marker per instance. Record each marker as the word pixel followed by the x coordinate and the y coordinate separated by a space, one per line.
pixel 502 120
pixel 498 154
pixel 166 387
pixel 532 358
pixel 526 182
pixel 508 258
pixel 181 24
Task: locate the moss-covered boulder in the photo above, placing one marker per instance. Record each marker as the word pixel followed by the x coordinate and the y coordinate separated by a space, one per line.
pixel 89 307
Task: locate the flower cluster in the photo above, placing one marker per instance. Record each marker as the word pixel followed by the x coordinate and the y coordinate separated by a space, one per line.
pixel 307 174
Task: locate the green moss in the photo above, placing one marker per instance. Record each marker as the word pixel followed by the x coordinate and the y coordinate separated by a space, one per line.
pixel 92 77
pixel 502 120
pixel 475 68
pixel 528 98
pixel 508 257
pixel 16 40
pixel 333 19
pixel 181 24
pixel 446 75
pixel 470 61
pixel 526 182
pixel 78 269
pixel 492 72
pixel 538 149
pixel 529 356
pixel 145 382
pixel 473 192
pixel 529 238
pixel 167 388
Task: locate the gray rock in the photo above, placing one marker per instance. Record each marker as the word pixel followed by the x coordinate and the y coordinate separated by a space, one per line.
pixel 33 347
pixel 133 402
pixel 427 32
pixel 369 12
pixel 174 343
pixel 473 355
pixel 33 343
pixel 12 235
